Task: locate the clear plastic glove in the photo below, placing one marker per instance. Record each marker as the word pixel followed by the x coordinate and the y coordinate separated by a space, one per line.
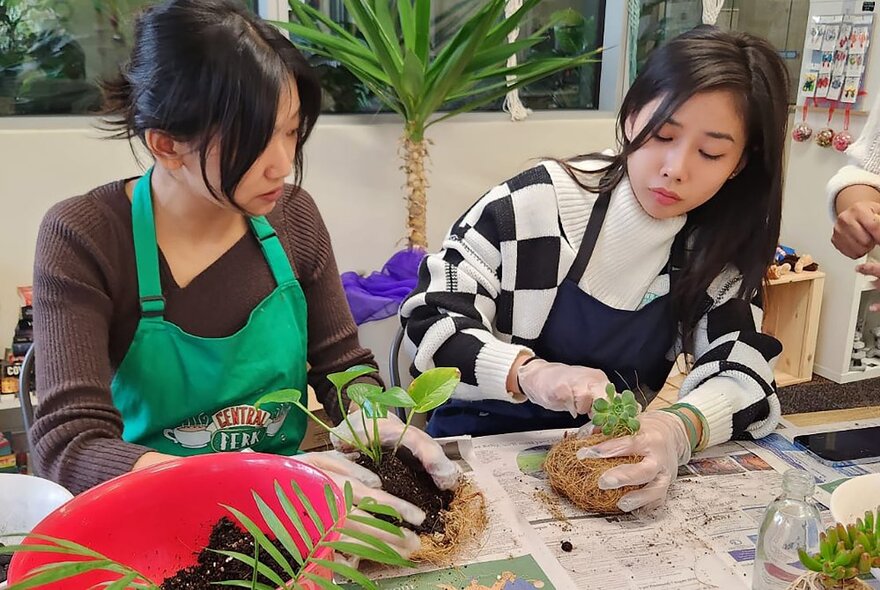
pixel 663 442
pixel 444 472
pixel 365 483
pixel 560 387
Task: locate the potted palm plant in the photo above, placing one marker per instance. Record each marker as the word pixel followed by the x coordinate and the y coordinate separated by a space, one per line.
pixel 391 51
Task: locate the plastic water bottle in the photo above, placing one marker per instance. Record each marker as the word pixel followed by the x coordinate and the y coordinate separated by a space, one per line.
pixel 791 521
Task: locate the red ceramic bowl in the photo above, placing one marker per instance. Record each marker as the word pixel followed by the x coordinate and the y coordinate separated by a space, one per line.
pixel 157 519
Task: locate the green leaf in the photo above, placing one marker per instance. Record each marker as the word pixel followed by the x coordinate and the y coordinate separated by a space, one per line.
pixel 261 538
pixel 374 410
pixel 499 33
pixel 609 390
pixel 359 393
pixel 63 571
pixel 407 24
pixel 633 425
pixel 607 430
pixel 309 507
pixel 386 49
pixel 348 571
pixel 349 496
pixel 275 525
pixel 433 388
pixel 630 411
pixel 246 584
pixel 601 405
pixel 373 507
pixel 394 397
pixel 331 502
pixel 122 583
pixel 612 420
pixel 423 29
pixel 252 563
pixel 340 380
pixel 599 419
pixel 371 540
pixel 377 524
pixel 413 78
pixel 321 582
pixel 364 552
pixel 282 396
pixel 628 397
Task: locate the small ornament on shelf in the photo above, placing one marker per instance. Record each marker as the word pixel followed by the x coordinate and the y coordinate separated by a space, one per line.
pixel 843 139
pixel 825 137
pixel 802 131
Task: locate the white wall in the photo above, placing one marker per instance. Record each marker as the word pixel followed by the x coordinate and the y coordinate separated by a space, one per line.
pixel 352 170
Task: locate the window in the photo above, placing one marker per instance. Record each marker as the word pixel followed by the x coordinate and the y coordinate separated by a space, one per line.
pixel 52 52
pixel 782 22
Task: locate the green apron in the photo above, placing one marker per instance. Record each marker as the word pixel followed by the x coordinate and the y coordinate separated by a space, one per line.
pixel 185 395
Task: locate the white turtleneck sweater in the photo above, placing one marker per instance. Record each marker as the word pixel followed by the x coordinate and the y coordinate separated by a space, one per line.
pixel 485 297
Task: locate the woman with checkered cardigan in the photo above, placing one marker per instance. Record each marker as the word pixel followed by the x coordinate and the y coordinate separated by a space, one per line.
pixel 606 267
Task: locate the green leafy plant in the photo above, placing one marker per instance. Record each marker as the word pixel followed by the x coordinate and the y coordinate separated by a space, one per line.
pixel 363 545
pixel 429 390
pixel 845 552
pixel 616 416
pixel 392 52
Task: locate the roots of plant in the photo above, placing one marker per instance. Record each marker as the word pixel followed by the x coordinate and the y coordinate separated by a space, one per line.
pixel 816 581
pixel 465 522
pixel 578 479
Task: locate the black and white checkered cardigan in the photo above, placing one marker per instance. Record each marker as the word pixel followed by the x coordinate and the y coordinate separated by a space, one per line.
pixel 479 295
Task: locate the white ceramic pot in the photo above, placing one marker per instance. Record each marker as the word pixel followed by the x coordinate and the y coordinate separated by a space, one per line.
pixel 26 500
pixel 853 498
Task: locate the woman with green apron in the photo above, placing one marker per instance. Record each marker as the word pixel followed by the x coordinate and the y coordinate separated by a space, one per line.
pixel 165 306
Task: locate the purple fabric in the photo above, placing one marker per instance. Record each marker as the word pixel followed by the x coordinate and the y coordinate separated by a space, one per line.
pixel 380 294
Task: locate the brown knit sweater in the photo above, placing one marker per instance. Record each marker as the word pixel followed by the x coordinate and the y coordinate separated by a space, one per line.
pixel 86 313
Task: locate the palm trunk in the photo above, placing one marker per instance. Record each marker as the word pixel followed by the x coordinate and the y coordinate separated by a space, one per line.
pixel 414 155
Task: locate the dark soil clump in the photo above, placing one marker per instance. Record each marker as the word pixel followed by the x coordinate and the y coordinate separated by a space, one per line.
pixel 402 476
pixel 4 564
pixel 213 567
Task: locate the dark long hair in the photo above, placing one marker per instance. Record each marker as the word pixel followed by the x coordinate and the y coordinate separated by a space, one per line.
pixel 206 69
pixel 740 224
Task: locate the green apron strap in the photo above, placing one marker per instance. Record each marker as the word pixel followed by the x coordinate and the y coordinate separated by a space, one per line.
pixel 272 250
pixel 146 250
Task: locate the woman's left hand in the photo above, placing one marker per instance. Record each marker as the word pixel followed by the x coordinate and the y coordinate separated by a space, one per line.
pixel 444 472
pixel 663 443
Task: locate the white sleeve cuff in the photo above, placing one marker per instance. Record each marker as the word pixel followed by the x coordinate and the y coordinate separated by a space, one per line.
pixel 845 177
pixel 492 367
pixel 711 399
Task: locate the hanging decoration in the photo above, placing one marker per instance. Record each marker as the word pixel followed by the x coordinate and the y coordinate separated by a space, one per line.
pixel 802 131
pixel 843 139
pixel 835 49
pixel 711 10
pixel 512 102
pixel 826 135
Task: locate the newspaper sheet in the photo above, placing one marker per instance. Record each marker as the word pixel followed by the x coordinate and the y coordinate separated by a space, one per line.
pixel 703 537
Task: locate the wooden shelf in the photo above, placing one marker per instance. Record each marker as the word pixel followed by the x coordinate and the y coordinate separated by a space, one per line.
pixel 796 277
pixel 10 401
pixel 791 314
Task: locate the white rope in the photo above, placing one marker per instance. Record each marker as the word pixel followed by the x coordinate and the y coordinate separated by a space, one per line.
pixel 711 10
pixel 512 103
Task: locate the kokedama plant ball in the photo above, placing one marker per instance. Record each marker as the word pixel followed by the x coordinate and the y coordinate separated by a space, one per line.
pixel 578 479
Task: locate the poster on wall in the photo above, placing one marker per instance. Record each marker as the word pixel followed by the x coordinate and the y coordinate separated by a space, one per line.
pixel 837 47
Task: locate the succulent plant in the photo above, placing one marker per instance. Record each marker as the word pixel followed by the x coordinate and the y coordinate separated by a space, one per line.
pixel 616 416
pixel 845 552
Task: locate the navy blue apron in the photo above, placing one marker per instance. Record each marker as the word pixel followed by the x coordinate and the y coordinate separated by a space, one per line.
pixel 629 346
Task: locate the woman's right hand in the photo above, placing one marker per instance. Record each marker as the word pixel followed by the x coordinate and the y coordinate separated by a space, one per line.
pixel 152 458
pixel 561 387
pixel 365 483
